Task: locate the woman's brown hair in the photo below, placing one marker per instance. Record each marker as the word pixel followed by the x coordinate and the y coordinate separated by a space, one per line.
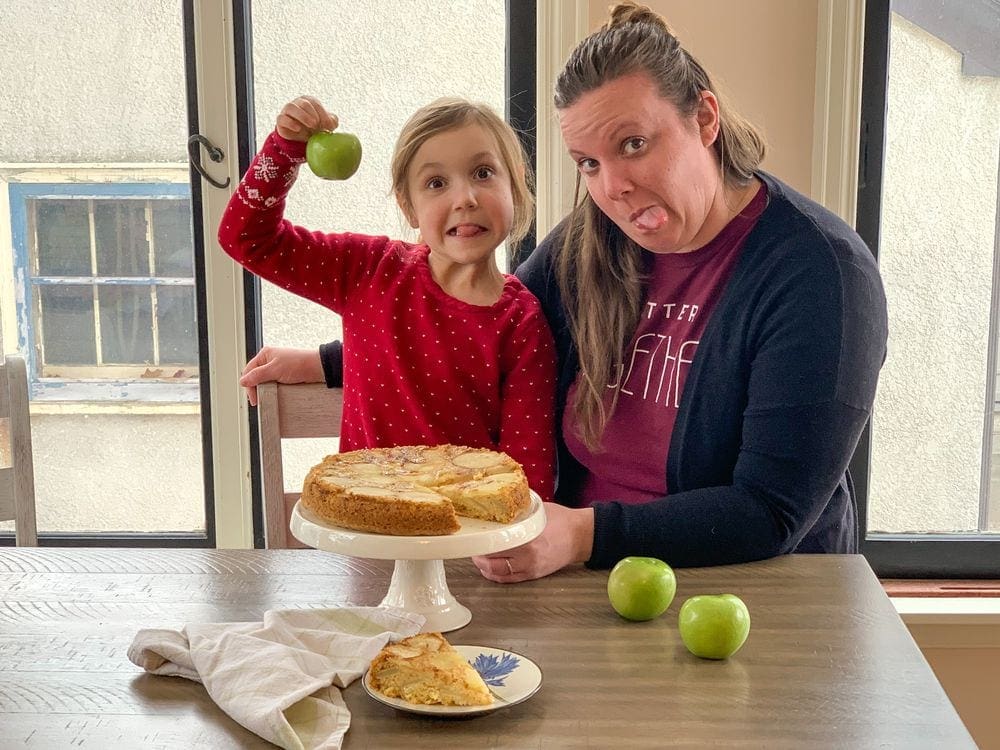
pixel 599 269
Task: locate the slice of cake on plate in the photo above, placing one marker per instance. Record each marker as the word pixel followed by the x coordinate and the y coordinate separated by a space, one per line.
pixel 426 669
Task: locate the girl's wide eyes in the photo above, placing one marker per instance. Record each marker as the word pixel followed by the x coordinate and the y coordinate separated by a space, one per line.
pixel 483 173
pixel 435 182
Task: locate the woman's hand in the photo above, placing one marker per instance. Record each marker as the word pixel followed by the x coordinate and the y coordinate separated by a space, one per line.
pixel 568 538
pixel 302 117
pixel 281 365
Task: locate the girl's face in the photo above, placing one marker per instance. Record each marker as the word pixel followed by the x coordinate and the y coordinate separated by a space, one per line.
pixel 460 195
pixel 651 170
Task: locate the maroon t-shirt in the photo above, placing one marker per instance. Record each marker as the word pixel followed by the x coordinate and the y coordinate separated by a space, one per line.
pixel 682 291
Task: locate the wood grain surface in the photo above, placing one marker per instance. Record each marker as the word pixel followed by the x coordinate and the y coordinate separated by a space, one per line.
pixel 828 664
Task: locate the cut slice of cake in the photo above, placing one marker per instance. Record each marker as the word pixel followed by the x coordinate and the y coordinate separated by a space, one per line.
pixel 495 497
pixel 426 669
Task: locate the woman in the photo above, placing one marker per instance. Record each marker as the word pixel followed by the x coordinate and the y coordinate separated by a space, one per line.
pixel 719 335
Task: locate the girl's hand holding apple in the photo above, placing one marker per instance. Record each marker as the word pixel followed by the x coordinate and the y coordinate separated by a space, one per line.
pixel 302 117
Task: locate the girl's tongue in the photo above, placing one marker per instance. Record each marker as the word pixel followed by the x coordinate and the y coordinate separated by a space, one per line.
pixel 467 230
pixel 651 219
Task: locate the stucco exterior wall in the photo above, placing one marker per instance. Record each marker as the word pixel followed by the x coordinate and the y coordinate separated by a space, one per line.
pixel 938 218
pixel 88 82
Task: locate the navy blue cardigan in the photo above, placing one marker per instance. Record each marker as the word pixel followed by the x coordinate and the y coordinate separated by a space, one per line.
pixel 780 388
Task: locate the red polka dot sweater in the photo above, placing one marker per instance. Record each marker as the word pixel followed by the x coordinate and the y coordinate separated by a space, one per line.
pixel 420 367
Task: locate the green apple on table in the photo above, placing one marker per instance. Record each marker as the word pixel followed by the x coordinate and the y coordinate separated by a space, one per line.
pixel 333 155
pixel 714 626
pixel 641 588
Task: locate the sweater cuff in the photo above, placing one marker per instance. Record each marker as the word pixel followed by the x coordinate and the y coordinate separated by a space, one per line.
pixel 294 151
pixel 331 356
pixel 607 519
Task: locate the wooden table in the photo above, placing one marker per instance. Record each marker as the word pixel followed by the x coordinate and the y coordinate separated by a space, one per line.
pixel 828 662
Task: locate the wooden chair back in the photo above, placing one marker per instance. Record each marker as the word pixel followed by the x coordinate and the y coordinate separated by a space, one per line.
pixel 17 472
pixel 303 410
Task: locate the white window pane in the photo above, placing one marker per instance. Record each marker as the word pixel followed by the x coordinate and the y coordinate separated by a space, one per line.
pixel 126 325
pixel 172 238
pixel 97 92
pixel 62 229
pixel 178 335
pixel 120 235
pixel 68 334
pixel 935 405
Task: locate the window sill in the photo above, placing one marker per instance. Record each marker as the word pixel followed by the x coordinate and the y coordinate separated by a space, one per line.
pixel 113 391
pixel 51 396
pixel 945 602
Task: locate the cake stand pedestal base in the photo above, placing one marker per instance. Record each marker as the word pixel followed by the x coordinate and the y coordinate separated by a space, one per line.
pixel 418 581
pixel 420 586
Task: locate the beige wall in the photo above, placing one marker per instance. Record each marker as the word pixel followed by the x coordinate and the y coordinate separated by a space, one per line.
pixel 966 659
pixel 763 54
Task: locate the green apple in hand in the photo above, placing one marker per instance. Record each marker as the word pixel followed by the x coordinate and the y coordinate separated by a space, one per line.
pixel 333 155
pixel 714 626
pixel 641 588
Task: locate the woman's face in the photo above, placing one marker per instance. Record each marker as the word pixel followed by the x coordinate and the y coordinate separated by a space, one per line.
pixel 650 169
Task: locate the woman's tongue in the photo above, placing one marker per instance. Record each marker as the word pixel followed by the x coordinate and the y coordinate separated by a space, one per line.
pixel 651 219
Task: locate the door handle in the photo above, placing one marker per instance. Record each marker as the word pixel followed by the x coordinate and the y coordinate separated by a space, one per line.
pixel 215 153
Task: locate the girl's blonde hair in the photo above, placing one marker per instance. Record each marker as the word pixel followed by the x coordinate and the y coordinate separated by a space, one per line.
pixel 450 113
pixel 598 267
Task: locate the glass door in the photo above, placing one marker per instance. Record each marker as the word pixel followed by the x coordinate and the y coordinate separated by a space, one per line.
pixel 372 64
pixel 101 282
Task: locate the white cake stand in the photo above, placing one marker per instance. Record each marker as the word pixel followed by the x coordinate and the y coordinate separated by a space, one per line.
pixel 418 580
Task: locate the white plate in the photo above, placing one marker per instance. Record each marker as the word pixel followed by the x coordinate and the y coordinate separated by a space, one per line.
pixel 475 537
pixel 511 677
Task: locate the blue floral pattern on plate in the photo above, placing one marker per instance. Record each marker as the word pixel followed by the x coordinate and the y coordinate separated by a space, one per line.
pixel 494 669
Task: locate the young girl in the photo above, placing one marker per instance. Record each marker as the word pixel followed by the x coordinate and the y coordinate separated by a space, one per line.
pixel 439 345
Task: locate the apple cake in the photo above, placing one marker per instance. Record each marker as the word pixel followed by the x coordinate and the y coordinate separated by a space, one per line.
pixel 426 669
pixel 415 490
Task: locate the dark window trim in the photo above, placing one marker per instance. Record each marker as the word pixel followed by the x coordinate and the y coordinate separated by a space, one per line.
pixel 201 300
pixel 136 539
pixel 253 332
pixel 520 89
pixel 898 556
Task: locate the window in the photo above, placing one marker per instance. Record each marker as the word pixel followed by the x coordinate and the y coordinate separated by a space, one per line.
pixel 109 291
pixel 927 203
pixel 373 95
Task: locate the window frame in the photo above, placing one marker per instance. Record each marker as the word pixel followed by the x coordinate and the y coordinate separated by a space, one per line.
pixel 930 556
pixel 89 387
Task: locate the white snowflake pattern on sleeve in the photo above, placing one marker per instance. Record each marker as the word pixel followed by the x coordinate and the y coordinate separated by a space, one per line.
pixel 265 169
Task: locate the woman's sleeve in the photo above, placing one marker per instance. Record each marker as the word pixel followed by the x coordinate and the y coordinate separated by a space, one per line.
pixel 331 356
pixel 253 231
pixel 814 352
pixel 527 421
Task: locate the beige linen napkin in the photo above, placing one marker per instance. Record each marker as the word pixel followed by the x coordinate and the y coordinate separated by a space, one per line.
pixel 279 677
